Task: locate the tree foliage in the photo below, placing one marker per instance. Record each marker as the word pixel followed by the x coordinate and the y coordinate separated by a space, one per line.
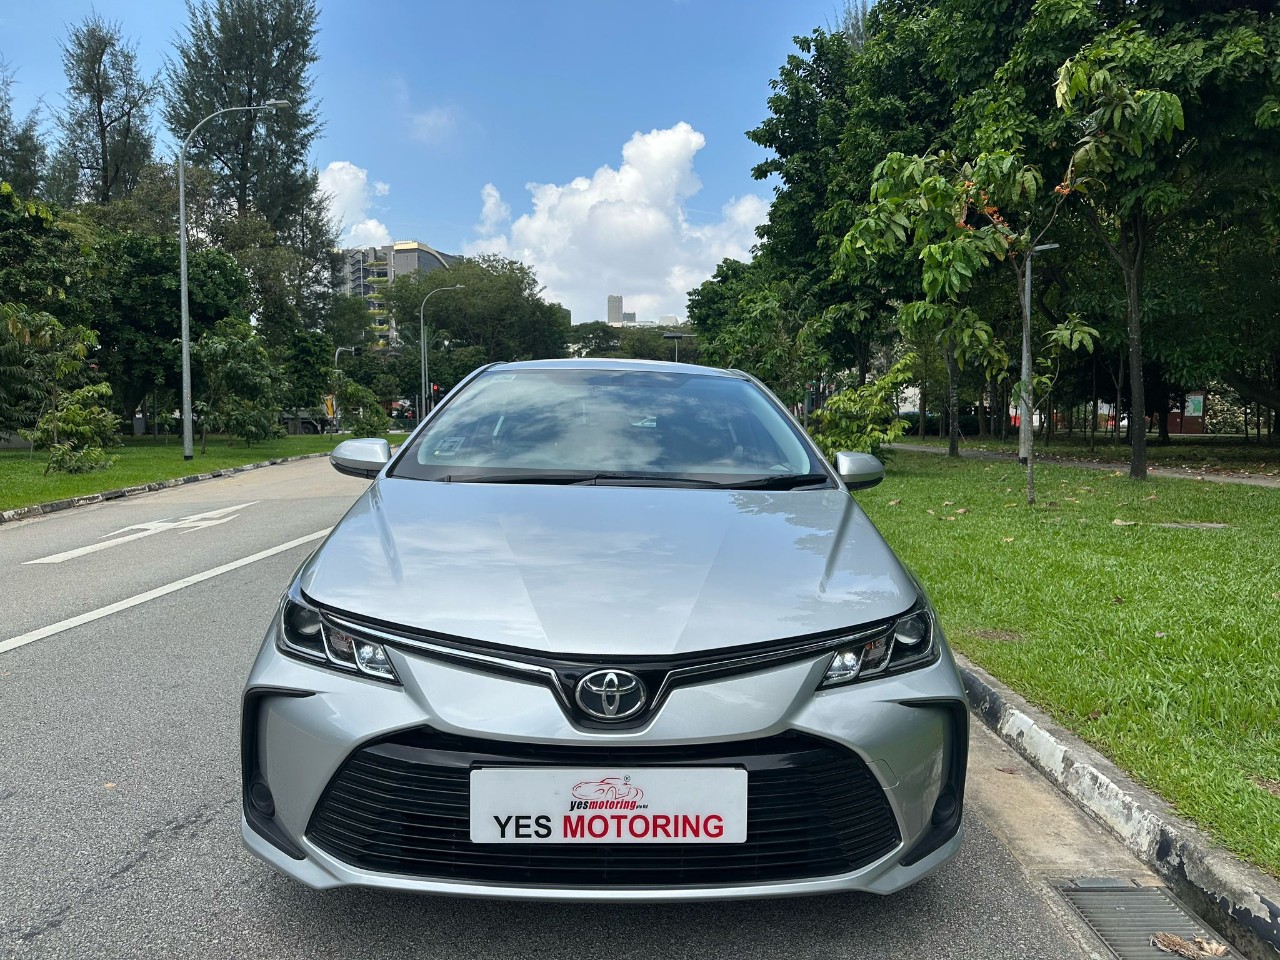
pixel 106 125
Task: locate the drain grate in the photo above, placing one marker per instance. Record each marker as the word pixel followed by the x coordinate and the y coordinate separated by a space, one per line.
pixel 1125 917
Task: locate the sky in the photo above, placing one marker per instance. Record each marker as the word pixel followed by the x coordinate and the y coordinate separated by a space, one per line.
pixel 602 142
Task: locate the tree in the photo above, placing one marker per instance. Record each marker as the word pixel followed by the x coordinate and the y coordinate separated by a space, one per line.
pixel 1136 164
pixel 596 339
pixel 346 321
pixel 22 151
pixel 239 389
pixel 245 53
pixel 106 126
pixel 19 391
pixel 77 430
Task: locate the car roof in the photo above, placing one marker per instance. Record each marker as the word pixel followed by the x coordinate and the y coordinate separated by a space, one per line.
pixel 611 363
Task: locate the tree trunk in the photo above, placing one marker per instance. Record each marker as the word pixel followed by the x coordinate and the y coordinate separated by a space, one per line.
pixel 953 402
pixel 1137 395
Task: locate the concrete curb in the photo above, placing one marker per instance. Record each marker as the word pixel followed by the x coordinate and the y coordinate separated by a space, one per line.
pixel 54 506
pixel 1240 901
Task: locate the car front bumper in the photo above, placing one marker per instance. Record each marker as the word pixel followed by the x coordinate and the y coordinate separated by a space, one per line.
pixel 302 723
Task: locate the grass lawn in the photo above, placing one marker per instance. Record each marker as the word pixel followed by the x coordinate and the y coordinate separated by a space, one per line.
pixel 1198 454
pixel 1156 643
pixel 141 460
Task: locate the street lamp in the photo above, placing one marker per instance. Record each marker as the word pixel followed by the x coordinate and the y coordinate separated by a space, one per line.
pixel 1024 401
pixel 677 337
pixel 187 451
pixel 422 345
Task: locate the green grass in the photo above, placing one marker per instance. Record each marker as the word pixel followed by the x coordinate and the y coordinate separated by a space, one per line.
pixel 1157 645
pixel 141 460
pixel 1198 454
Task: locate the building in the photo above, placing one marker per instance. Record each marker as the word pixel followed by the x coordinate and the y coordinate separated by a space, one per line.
pixel 615 310
pixel 628 319
pixel 668 320
pixel 368 270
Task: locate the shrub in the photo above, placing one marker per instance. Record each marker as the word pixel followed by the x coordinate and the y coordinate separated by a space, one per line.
pixel 863 418
pixel 76 431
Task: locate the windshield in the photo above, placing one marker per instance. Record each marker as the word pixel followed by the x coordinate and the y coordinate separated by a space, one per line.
pixel 598 425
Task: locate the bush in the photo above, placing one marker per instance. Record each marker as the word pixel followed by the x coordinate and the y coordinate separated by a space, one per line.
pixel 362 414
pixel 863 418
pixel 76 431
pixel 66 458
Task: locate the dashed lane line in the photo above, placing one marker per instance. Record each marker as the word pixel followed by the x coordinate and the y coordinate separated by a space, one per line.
pixel 55 628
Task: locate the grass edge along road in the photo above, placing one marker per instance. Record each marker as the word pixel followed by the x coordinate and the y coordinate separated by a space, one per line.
pixel 140 461
pixel 1122 609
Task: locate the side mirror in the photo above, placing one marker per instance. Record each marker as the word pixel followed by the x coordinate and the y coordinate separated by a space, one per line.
pixel 859 470
pixel 360 458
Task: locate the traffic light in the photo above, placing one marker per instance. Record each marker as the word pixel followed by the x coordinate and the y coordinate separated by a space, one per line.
pixel 435 390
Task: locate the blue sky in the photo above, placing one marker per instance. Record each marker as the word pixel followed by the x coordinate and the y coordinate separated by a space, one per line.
pixel 601 142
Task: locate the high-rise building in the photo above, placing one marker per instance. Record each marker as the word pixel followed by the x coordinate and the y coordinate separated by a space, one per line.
pixel 628 319
pixel 615 309
pixel 668 320
pixel 368 270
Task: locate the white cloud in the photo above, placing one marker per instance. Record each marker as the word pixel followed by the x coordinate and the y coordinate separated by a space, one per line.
pixel 623 230
pixel 348 188
pixel 367 233
pixel 433 125
pixel 494 214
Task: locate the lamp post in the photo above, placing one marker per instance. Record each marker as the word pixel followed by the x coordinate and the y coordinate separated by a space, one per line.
pixel 677 337
pixel 1025 407
pixel 187 450
pixel 422 344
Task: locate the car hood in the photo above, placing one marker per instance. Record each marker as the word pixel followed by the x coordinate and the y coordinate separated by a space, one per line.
pixel 607 570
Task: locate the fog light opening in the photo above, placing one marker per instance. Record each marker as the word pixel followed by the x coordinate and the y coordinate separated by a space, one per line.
pixel 260 797
pixel 944 809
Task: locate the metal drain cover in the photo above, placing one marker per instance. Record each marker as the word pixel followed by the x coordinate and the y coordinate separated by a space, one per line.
pixel 1125 917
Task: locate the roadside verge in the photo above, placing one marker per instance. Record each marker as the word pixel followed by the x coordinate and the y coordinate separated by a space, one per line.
pixel 1240 901
pixel 54 506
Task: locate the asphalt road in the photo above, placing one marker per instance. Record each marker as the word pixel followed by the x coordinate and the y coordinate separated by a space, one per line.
pixel 119 791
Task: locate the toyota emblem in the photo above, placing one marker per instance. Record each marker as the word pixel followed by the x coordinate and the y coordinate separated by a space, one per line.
pixel 611 694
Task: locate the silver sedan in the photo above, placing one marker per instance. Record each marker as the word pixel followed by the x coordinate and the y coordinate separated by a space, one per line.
pixel 605 630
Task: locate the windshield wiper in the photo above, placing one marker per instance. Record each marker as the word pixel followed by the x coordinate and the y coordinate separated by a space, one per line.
pixel 582 477
pixel 647 480
pixel 785 481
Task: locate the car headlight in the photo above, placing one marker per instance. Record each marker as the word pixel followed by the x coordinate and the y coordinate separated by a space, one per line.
pixel 304 633
pixel 905 645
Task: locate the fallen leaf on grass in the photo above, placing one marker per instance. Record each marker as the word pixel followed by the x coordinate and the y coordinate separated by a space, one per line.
pixel 1271 786
pixel 929 512
pixel 1124 523
pixel 948 518
pixel 1153 497
pixel 894 503
pixel 1274 596
pixel 1071 499
pixel 1008 540
pixel 1160 633
pixel 1085 490
pixel 1052 503
pixel 1118 473
pixel 1117 599
pixel 1094 714
pixel 1010 504
pixel 948 503
pixel 962 510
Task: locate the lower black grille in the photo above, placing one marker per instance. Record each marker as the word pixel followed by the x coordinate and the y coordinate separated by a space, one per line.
pixel 401 806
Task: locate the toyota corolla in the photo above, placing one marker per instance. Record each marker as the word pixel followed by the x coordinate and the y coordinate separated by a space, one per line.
pixel 605 630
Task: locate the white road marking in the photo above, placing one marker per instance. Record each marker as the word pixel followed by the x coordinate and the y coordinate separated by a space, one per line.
pixel 196 521
pixel 14 642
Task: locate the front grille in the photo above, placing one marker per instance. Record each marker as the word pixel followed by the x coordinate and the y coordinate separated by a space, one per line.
pixel 401 806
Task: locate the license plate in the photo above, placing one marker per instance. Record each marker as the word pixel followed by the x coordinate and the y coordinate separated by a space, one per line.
pixel 608 805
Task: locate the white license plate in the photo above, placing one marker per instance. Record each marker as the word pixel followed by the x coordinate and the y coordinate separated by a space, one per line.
pixel 608 805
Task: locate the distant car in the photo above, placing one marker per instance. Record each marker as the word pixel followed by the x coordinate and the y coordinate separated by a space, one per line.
pixel 605 630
